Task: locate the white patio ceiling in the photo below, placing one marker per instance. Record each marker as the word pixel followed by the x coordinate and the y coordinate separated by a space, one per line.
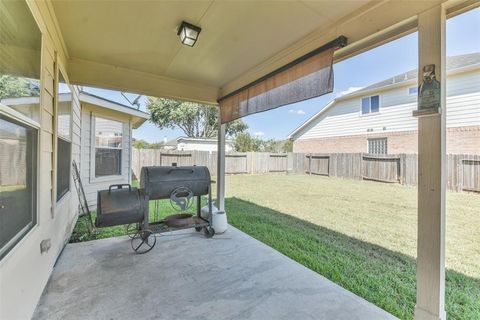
pixel 133 45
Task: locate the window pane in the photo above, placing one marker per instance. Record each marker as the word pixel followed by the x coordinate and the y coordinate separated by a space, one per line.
pixel 108 133
pixel 64 108
pixel 108 143
pixel 107 162
pixel 63 167
pixel 374 104
pixel 18 160
pixel 377 146
pixel 20 59
pixel 365 105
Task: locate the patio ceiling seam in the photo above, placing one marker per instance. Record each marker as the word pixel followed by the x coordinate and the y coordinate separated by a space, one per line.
pixel 181 46
pixel 316 11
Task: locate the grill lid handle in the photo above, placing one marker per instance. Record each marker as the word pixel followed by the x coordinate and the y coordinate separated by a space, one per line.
pixel 181 169
pixel 119 186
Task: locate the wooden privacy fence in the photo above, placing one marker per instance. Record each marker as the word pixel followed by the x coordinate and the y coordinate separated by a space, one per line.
pixel 382 169
pixel 235 162
pixel 463 171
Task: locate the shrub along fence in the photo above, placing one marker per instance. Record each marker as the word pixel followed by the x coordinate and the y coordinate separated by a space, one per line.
pixel 463 171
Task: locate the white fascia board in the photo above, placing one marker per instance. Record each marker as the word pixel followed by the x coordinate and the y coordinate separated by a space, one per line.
pixel 138 117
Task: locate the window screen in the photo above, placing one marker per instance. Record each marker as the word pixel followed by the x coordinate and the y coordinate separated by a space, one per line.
pixel 108 147
pixel 20 53
pixel 370 104
pixel 365 105
pixel 64 150
pixel 20 56
pixel 377 146
pixel 64 139
pixel 374 104
pixel 18 172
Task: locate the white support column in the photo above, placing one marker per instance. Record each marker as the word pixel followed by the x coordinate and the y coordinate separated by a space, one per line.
pixel 221 168
pixel 431 175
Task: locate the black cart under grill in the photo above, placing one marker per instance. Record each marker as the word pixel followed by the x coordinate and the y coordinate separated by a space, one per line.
pixel 182 185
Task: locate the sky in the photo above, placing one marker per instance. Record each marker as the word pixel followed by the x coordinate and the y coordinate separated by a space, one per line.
pixel 396 57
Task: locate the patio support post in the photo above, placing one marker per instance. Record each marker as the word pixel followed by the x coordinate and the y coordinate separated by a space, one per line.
pixel 431 174
pixel 221 167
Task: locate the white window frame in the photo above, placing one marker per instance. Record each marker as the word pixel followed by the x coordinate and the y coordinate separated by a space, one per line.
pixel 412 94
pixel 370 113
pixel 377 138
pixel 116 177
pixel 21 236
pixel 9 112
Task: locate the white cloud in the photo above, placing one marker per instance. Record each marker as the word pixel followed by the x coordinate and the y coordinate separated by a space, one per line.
pixel 297 111
pixel 349 90
pixel 259 133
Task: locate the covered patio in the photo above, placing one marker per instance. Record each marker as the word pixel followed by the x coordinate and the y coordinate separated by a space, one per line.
pixel 230 276
pixel 133 46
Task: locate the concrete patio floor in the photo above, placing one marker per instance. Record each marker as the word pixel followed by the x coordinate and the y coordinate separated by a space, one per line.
pixel 186 276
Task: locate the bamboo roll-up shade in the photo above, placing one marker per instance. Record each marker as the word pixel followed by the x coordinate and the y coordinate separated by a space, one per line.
pixel 307 79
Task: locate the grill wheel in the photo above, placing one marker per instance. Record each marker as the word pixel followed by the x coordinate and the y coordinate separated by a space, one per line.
pixel 143 241
pixel 209 232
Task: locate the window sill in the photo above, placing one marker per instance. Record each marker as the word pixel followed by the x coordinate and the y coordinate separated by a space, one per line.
pixel 62 199
pixel 18 245
pixel 371 114
pixel 108 178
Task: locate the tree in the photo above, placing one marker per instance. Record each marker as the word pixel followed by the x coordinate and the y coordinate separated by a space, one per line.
pixel 15 87
pixel 244 142
pixel 142 144
pixel 287 146
pixel 194 119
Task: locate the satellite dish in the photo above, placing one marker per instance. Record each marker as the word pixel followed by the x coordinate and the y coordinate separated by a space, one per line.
pixel 135 102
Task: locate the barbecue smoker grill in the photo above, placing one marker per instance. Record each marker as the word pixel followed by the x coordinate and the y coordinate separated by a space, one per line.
pixel 182 185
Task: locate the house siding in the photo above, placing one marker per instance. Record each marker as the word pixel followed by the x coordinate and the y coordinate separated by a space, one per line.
pixel 344 129
pixel 90 183
pixel 460 140
pixel 185 145
pixel 24 271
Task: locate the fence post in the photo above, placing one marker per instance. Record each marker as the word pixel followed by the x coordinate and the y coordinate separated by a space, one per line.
pixel 252 167
pixel 221 167
pixel 139 160
pixel 310 164
pixel 362 166
pixel 328 166
pixel 289 162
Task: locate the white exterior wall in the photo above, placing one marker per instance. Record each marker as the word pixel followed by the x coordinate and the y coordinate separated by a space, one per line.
pixel 91 184
pixel 202 146
pixel 396 106
pixel 24 271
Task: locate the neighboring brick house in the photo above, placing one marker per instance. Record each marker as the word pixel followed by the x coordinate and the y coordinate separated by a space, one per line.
pixel 378 118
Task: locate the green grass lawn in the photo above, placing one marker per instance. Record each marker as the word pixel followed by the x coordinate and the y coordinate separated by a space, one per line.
pixel 359 234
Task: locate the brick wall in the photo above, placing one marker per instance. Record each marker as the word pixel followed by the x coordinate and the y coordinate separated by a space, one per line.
pixel 459 140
